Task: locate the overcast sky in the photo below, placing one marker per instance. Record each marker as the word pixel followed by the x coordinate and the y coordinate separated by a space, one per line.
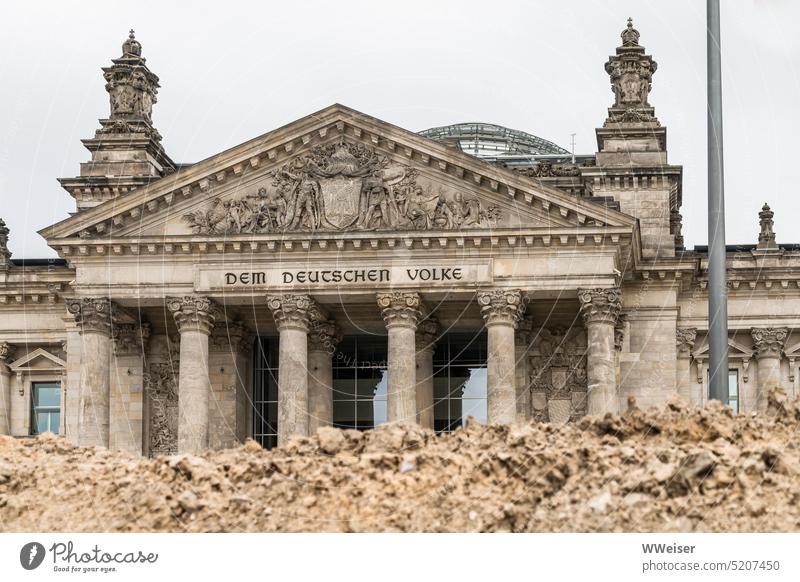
pixel 233 70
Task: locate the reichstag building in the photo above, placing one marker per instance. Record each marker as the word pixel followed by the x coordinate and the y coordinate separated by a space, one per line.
pixel 344 271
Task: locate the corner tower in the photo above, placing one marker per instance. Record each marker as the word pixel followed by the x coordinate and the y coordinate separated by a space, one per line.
pixel 126 150
pixel 632 162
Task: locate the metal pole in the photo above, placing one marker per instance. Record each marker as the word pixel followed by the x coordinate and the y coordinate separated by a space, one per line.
pixel 717 285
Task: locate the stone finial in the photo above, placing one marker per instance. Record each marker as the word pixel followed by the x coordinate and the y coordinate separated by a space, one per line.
pixel 93 315
pixel 766 238
pixel 427 334
pixel 399 308
pixel 631 72
pixel 324 336
pixel 130 338
pixel 769 341
pixel 676 228
pixel 502 306
pixel 193 313
pixel 131 47
pixel 600 305
pixel 5 254
pixel 293 311
pixel 684 340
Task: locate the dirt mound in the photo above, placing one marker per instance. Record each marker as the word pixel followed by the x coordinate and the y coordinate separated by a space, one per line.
pixel 674 469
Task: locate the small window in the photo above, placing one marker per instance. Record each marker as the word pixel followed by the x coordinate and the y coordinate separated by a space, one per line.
pixel 46 407
pixel 733 389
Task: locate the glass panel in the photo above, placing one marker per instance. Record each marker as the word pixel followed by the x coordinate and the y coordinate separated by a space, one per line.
pixel 265 392
pixel 47 394
pixel 459 383
pixel 42 422
pixel 55 422
pixel 359 372
pixel 733 389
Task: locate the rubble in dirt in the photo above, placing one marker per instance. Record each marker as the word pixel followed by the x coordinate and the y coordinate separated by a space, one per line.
pixel 674 469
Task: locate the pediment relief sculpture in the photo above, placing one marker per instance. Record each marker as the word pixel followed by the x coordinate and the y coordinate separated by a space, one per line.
pixel 340 187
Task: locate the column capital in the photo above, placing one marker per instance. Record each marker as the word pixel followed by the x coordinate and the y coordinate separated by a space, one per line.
pixel 525 333
pixel 324 336
pixel 92 314
pixel 502 306
pixel 426 334
pixel 130 338
pixel 400 309
pixel 232 337
pixel 600 305
pixel 769 341
pixel 292 311
pixel 193 313
pixel 684 340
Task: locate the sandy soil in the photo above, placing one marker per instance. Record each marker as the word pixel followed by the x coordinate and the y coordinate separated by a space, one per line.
pixel 675 469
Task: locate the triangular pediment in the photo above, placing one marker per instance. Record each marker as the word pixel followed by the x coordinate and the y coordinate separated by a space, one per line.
pixel 37 360
pixel 335 171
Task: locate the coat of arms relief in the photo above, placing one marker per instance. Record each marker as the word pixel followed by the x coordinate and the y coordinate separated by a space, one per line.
pixel 339 187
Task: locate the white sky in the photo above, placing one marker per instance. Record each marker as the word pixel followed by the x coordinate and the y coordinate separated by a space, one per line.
pixel 233 70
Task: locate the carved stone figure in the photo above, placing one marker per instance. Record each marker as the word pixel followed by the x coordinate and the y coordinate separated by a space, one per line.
pixel 557 368
pixel 339 187
pixel 631 72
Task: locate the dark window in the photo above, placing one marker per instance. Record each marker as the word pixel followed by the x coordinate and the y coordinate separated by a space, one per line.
pixel 265 392
pixel 733 389
pixel 359 382
pixel 46 407
pixel 459 380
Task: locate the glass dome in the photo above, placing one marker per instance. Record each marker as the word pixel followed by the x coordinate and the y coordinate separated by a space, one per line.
pixel 494 142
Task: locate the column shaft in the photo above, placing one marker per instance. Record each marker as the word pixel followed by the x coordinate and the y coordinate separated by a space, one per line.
pixel 600 309
pixel 502 311
pixel 768 342
pixel 93 317
pixel 401 312
pixel 195 317
pixel 425 388
pixel 322 341
pixel 5 399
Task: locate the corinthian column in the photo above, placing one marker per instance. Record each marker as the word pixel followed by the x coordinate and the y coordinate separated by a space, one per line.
pixel 195 317
pixel 685 386
pixel 93 317
pixel 768 342
pixel 401 312
pixel 5 389
pixel 600 309
pixel 522 345
pixel 293 315
pixel 322 341
pixel 425 344
pixel 502 311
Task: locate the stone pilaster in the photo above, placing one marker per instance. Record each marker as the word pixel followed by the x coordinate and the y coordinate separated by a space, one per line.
pixel 195 317
pixel 425 339
pixel 600 310
pixel 502 310
pixel 322 341
pixel 5 388
pixel 768 343
pixel 522 381
pixel 401 311
pixel 685 386
pixel 230 347
pixel 126 403
pixel 293 315
pixel 93 317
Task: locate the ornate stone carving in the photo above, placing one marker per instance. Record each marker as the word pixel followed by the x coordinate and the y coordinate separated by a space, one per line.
pixel 766 238
pixel 769 341
pixel 600 305
pixel 504 306
pixel 400 308
pixel 324 336
pixel 338 187
pixel 193 313
pixel 546 169
pixel 294 311
pixel 161 385
pixel 676 227
pixel 525 332
pixel 233 337
pixel 427 334
pixel 92 314
pixel 5 254
pixel 6 352
pixel 619 332
pixel 684 340
pixel 130 338
pixel 631 72
pixel 557 363
pixel 131 87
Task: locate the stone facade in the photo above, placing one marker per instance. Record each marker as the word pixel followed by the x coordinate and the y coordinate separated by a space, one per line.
pixel 340 225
